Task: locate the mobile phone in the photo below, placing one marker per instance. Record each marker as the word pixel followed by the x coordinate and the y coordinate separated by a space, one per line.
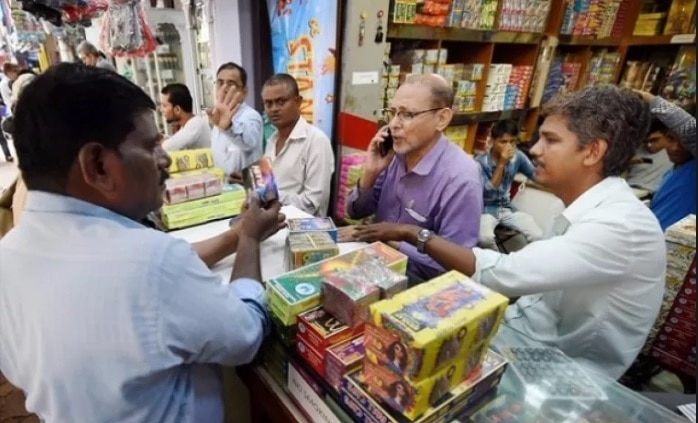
pixel 386 145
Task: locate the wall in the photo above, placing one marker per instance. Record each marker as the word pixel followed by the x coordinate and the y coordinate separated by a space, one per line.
pixel 359 102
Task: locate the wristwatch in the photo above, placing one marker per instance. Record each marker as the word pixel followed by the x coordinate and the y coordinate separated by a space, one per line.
pixel 423 236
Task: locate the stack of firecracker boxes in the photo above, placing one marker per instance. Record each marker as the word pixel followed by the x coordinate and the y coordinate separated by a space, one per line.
pixel 348 328
pixel 196 192
pixel 672 341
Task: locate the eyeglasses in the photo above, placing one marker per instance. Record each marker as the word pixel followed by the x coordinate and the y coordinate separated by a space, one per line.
pixel 228 84
pixel 405 116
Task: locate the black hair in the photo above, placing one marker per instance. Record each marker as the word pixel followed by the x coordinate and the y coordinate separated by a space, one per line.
pixel 67 107
pixel 178 95
pixel 656 125
pixel 284 78
pixel 391 353
pixel 504 127
pixel 234 66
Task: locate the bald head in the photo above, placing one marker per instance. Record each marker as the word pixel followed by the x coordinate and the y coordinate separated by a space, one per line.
pixel 441 90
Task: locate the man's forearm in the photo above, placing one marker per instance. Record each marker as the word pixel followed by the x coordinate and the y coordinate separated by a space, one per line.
pixel 449 255
pixel 247 260
pixel 215 249
pixel 497 177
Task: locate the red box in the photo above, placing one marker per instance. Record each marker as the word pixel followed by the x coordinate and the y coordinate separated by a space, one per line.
pixel 319 330
pixel 681 353
pixel 674 343
pixel 673 363
pixel 682 321
pixel 688 290
pixel 342 358
pixel 312 357
pixel 677 334
pixel 686 303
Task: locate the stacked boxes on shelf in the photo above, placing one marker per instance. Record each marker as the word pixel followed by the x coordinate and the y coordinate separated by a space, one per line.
pixel 351 168
pixel 649 24
pixel 495 92
pixel 466 87
pixel 405 11
pixel 195 192
pixel 432 13
pixel 563 77
pixel 429 339
pixel 524 15
pixel 682 17
pixel 457 135
pixel 472 14
pixel 598 18
pixel 673 339
pixel 602 67
pixel 518 87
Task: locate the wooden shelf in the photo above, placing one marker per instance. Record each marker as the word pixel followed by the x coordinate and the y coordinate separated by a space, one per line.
pixel 572 40
pixel 419 32
pixel 474 117
pixel 655 40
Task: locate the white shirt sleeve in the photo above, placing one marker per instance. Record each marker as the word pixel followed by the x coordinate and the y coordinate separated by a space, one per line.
pixel 226 154
pixel 314 196
pixel 587 254
pixel 6 92
pixel 191 135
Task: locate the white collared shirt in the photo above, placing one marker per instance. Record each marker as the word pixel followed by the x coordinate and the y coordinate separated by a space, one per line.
pixel 303 169
pixel 594 287
pixel 240 145
pixel 194 134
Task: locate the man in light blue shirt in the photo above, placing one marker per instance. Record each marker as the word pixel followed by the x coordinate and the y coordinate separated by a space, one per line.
pixel 237 134
pixel 101 318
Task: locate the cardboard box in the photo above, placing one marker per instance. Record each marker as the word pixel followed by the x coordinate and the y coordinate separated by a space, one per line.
pixel 313 358
pixel 293 293
pixel 307 248
pixel 437 322
pixel 320 330
pixel 413 398
pixel 186 160
pixel 312 224
pixel 460 398
pixel 683 232
pixel 343 358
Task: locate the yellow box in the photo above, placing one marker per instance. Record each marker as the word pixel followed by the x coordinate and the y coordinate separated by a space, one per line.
pixel 185 160
pixel 438 321
pixel 214 171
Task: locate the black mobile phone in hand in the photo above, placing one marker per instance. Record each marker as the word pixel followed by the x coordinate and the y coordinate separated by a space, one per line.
pixel 387 145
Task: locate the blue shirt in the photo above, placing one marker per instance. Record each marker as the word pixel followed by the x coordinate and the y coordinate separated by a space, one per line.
pixel 241 144
pixel 104 320
pixel 676 196
pixel 500 197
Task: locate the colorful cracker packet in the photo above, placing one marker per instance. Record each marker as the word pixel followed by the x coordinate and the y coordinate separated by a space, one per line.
pixel 260 178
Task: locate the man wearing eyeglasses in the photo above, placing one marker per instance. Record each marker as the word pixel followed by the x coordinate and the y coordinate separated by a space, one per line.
pixel 236 137
pixel 301 153
pixel 424 180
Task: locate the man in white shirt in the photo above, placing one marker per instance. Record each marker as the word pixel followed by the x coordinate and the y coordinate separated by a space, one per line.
pixel 594 286
pixel 652 161
pixel 177 107
pixel 236 137
pixel 301 153
pixel 10 73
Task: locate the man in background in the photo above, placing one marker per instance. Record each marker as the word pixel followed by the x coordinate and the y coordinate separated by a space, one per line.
pixel 90 56
pixel 424 180
pixel 301 154
pixel 10 73
pixel 498 167
pixel 177 107
pixel 236 137
pixel 652 161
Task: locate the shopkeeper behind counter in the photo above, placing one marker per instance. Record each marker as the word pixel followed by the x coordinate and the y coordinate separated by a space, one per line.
pixel 593 288
pixel 103 319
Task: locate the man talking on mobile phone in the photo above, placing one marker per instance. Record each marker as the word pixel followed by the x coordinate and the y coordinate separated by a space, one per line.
pixel 425 180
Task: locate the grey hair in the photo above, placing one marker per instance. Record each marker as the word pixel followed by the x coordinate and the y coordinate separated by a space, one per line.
pixel 441 92
pixel 618 116
pixel 87 47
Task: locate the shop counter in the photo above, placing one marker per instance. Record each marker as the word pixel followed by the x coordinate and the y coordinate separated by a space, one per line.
pixel 536 392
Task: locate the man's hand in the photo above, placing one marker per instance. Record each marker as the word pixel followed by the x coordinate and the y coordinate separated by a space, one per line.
pixel 375 163
pixel 346 233
pixel 228 103
pixel 507 154
pixel 644 95
pixel 384 232
pixel 260 223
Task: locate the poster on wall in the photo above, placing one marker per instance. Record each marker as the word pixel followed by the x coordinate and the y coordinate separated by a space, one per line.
pixel 304 38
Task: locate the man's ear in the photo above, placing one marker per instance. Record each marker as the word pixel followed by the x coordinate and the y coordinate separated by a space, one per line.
pixel 595 152
pixel 95 162
pixel 444 117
